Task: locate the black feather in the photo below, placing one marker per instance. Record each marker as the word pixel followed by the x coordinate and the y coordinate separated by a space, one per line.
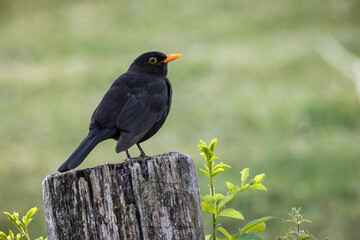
pixel 94 137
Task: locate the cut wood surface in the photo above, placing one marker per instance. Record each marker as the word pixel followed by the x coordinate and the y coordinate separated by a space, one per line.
pixel 156 198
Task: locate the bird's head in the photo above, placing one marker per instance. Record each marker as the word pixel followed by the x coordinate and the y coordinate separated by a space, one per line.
pixel 153 62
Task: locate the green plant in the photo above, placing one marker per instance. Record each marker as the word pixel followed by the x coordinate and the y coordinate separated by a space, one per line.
pixel 21 226
pixel 215 203
pixel 295 233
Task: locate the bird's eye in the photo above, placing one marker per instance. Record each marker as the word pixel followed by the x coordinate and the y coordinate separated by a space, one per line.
pixel 152 60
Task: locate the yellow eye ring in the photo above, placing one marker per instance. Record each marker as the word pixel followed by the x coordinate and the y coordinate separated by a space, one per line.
pixel 152 60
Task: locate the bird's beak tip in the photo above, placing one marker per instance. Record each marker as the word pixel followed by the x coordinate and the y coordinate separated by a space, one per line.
pixel 172 57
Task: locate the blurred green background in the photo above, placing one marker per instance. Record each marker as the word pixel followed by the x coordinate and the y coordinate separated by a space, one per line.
pixel 250 75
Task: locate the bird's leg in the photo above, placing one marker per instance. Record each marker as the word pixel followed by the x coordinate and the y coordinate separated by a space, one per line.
pixel 143 154
pixel 128 154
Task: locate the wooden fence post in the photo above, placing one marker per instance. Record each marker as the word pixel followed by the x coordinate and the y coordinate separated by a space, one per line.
pixel 153 199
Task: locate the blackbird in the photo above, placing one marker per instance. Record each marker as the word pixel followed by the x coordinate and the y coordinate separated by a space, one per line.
pixel 132 110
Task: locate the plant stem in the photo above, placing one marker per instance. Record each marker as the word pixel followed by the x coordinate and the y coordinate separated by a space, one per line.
pixel 212 192
pixel 27 234
pixel 298 226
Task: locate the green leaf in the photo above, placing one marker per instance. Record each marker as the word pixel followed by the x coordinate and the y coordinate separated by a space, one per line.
pixel 258 228
pixel 257 186
pixel 202 143
pixel 232 213
pixel 218 196
pixel 18 236
pixel 14 218
pixel 249 236
pixel 234 189
pixel 207 237
pixel 208 199
pixel 205 173
pixel 259 178
pixel 30 213
pixel 205 207
pixel 24 220
pixel 3 236
pixel 207 152
pixel 244 175
pixel 11 234
pixel 10 217
pixel 18 223
pixel 255 222
pixel 223 231
pixel 213 158
pixel 306 220
pixel 29 221
pixel 212 145
pixel 226 200
pixel 230 186
pixel 307 236
pixel 206 167
pixel 221 165
pixel 219 170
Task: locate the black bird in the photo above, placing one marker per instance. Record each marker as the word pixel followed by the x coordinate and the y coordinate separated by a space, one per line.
pixel 132 110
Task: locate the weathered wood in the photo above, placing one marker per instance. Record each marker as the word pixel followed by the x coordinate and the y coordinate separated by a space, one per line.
pixel 157 198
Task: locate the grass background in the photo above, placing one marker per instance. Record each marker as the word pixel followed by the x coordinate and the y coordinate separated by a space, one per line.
pixel 250 75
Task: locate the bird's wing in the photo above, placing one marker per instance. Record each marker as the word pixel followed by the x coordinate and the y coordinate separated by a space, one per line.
pixel 140 112
pixel 106 113
pixel 138 116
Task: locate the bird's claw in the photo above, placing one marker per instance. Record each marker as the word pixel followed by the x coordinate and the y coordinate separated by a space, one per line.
pixel 143 156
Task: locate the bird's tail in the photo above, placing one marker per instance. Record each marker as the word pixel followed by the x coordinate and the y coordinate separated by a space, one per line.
pixel 94 137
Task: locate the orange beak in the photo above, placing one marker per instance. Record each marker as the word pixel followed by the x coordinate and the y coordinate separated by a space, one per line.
pixel 171 57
